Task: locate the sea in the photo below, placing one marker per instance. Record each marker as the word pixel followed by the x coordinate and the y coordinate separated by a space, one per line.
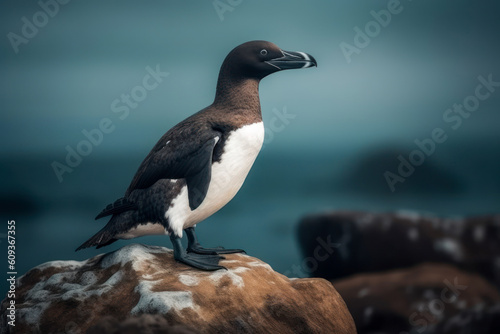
pixel 53 218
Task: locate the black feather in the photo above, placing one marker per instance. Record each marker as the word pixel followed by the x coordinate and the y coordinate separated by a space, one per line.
pixel 178 158
pixel 198 186
pixel 119 206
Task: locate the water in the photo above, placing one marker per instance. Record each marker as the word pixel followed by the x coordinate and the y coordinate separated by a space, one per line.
pixel 53 218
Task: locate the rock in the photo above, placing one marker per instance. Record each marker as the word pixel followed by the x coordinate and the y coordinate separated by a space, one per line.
pixel 117 289
pixel 367 175
pixel 474 320
pixel 422 299
pixel 144 324
pixel 369 242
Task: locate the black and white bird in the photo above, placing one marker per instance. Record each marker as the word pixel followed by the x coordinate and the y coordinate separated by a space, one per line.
pixel 199 165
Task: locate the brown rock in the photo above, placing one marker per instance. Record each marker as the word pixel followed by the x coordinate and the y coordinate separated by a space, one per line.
pixel 109 289
pixel 144 324
pixel 476 320
pixel 416 300
pixel 369 242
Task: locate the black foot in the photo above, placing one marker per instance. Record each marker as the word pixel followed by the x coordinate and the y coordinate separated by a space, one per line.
pixel 195 247
pixel 203 262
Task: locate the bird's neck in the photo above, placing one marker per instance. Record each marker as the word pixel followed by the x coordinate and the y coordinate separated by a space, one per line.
pixel 240 95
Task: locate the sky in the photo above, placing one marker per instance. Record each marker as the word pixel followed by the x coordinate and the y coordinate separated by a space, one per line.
pixel 394 88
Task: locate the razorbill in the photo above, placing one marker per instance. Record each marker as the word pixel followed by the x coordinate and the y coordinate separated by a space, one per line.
pixel 200 164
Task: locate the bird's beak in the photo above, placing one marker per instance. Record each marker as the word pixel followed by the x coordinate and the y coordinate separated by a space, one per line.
pixel 292 59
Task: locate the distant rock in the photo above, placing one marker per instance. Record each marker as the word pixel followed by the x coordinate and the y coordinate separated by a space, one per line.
pixel 428 298
pixel 478 320
pixel 19 204
pixel 372 242
pixel 367 175
pixel 142 289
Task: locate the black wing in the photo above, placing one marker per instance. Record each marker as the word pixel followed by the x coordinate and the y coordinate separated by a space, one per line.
pixel 187 156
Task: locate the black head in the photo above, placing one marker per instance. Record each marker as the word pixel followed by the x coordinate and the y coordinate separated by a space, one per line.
pixel 257 59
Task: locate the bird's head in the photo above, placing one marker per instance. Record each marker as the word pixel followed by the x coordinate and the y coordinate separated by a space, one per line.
pixel 258 59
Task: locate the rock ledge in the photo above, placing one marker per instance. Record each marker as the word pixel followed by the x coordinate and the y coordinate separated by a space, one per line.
pixel 138 281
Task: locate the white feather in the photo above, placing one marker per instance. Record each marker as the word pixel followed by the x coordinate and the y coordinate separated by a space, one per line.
pixel 143 229
pixel 240 151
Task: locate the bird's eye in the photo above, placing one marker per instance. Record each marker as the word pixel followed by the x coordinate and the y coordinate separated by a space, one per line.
pixel 263 52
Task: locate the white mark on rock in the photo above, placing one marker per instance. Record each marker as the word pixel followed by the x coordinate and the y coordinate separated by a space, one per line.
pixel 42 292
pixel 161 302
pixel 84 291
pixel 231 261
pixel 450 247
pixel 453 226
pixel 421 306
pixel 367 314
pixel 70 264
pixel 232 274
pixel 59 278
pixel 31 315
pixel 136 253
pixel 363 292
pixel 365 220
pixel 413 234
pixel 80 292
pixel 39 295
pixel 189 280
pixel 114 279
pixel 88 278
pixel 148 277
pixel 55 280
pixel 412 216
pixel 260 264
pixel 479 233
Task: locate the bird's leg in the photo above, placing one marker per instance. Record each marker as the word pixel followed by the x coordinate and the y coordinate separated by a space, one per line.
pixel 195 247
pixel 203 262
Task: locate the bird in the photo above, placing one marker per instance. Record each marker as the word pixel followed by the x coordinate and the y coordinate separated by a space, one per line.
pixel 199 165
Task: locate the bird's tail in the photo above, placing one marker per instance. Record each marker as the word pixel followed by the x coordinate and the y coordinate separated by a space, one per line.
pixel 119 206
pixel 100 239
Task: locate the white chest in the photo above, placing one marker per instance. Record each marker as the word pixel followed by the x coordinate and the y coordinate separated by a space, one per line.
pixel 240 151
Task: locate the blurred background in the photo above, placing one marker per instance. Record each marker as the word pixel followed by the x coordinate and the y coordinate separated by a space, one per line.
pixel 348 122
